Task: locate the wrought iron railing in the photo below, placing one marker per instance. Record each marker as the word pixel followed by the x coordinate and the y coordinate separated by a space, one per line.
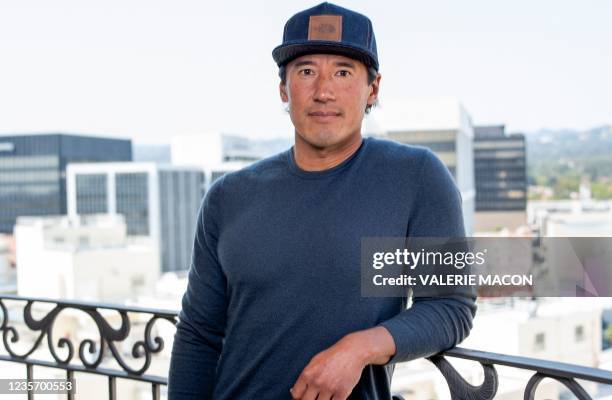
pixel 561 372
pixel 92 354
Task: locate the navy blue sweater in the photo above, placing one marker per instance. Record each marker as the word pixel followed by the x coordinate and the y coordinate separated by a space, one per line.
pixel 275 275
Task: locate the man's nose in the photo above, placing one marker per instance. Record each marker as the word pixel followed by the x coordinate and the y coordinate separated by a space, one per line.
pixel 324 91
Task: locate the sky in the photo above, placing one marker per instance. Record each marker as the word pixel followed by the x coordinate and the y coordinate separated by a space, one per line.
pixel 149 69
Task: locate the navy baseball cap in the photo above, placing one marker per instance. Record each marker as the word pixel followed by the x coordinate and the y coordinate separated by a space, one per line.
pixel 331 29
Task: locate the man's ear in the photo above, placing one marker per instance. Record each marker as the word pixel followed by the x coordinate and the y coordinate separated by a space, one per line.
pixel 282 87
pixel 375 85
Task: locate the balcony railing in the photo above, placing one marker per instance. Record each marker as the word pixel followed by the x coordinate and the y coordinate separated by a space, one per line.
pixel 91 353
pixel 94 356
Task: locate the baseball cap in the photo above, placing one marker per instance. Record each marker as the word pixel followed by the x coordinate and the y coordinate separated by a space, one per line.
pixel 328 28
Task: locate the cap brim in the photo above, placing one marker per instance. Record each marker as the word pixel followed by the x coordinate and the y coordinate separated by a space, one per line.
pixel 285 53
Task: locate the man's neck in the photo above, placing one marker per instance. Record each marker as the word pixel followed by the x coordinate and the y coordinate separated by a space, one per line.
pixel 311 158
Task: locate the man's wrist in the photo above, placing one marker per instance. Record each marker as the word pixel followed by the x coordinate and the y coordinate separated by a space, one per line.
pixel 372 346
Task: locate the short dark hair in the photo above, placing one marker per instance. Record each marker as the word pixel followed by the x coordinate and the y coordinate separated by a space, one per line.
pixel 372 74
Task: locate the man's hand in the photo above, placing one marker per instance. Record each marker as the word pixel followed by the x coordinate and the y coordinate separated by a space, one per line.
pixel 335 371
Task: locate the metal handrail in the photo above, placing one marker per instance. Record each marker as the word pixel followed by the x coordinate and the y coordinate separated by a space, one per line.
pixel 110 338
pixel 564 373
pixel 145 348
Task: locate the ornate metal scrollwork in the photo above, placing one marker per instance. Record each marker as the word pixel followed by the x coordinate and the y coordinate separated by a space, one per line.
pixel 571 384
pixel 108 336
pixel 460 389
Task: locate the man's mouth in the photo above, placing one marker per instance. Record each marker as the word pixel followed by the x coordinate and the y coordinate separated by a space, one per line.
pixel 324 115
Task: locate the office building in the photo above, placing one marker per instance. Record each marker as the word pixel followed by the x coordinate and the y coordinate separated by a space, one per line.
pixel 442 125
pixel 218 153
pixel 159 202
pixel 32 171
pixel 500 172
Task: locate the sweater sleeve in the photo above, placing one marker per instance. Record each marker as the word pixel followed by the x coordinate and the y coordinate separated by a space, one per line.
pixel 433 324
pixel 202 319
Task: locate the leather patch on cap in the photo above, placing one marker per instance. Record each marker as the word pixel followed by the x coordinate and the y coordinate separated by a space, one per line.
pixel 325 27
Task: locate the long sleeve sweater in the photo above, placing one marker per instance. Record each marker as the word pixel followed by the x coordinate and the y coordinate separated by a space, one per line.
pixel 275 272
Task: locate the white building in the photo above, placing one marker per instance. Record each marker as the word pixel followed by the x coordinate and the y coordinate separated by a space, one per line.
pixel 159 202
pixel 565 330
pixel 8 278
pixel 571 218
pixel 212 149
pixel 218 153
pixel 86 258
pixel 443 125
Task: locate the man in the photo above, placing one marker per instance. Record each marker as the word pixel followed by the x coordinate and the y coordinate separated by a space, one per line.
pixel 273 308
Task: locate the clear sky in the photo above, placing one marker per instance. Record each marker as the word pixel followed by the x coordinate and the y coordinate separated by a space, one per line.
pixel 149 69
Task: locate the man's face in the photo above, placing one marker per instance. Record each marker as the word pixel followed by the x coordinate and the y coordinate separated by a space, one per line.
pixel 327 96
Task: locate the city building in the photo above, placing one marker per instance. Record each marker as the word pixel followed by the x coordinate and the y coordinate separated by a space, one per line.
pixel 500 171
pixel 84 257
pixel 442 125
pixel 8 277
pixel 157 153
pixel 571 218
pixel 159 202
pixel 556 329
pixel 218 153
pixel 32 171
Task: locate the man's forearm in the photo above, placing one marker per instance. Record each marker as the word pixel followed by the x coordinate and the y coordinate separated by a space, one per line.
pixel 373 346
pixel 431 325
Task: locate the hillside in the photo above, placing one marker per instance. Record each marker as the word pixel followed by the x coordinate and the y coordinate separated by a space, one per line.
pixel 561 159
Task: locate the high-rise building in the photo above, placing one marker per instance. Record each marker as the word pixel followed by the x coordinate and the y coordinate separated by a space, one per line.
pixel 500 170
pixel 33 171
pixel 445 127
pixel 159 202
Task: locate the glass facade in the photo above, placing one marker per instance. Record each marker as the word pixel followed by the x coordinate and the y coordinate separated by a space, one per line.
pixel 180 195
pixel 91 193
pixel 161 203
pixel 132 199
pixel 500 170
pixel 436 147
pixel 32 171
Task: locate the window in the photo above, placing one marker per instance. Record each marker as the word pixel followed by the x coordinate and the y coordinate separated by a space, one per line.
pixel 91 193
pixel 132 194
pixel 579 333
pixel 540 341
pixel 137 282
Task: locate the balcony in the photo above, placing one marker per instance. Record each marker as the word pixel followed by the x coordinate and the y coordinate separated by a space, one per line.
pixel 128 339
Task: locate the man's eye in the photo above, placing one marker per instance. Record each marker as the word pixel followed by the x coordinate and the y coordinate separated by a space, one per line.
pixel 306 71
pixel 343 72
